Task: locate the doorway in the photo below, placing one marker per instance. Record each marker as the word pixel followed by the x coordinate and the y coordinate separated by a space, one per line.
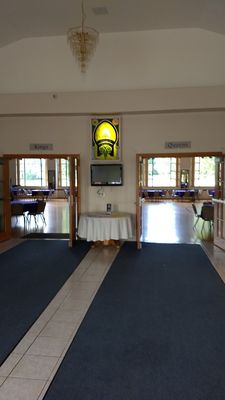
pixel 168 205
pixel 62 202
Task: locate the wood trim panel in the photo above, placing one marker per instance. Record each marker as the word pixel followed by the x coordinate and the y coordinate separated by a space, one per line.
pixel 39 155
pixel 193 154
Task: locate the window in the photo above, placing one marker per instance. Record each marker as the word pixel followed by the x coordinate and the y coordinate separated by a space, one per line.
pixel 32 172
pixel 162 172
pixel 205 171
pixel 63 173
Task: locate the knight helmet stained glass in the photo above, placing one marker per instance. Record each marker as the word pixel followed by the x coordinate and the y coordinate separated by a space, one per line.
pixel 105 139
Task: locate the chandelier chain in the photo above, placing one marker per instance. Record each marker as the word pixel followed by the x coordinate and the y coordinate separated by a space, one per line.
pixel 82 41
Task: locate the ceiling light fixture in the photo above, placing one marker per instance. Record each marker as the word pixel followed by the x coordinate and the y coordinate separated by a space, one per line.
pixel 82 41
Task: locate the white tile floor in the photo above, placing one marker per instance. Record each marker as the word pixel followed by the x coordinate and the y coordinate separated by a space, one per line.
pixel 29 370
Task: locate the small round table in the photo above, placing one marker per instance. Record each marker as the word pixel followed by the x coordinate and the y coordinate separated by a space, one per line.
pixel 105 228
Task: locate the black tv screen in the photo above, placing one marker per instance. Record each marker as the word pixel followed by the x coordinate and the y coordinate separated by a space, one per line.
pixel 106 174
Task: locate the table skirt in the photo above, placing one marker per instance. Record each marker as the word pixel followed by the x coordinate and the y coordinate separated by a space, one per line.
pixel 105 227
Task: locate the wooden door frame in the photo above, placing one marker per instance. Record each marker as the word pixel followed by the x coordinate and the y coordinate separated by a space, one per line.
pixel 155 155
pixel 74 214
pixel 53 156
pixel 5 235
pixel 139 159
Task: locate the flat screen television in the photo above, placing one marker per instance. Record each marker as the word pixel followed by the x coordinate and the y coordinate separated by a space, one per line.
pixel 106 175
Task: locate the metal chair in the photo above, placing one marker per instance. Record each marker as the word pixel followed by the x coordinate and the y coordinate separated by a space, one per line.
pixel 197 215
pixel 17 210
pixel 207 214
pixel 38 211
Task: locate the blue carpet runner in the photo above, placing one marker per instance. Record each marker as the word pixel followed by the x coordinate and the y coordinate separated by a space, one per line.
pixel 155 331
pixel 31 275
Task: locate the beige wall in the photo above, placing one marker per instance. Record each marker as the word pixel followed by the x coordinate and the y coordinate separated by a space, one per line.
pixel 145 133
pixel 123 101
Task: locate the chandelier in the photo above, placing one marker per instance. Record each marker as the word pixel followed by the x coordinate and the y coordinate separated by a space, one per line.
pixel 82 41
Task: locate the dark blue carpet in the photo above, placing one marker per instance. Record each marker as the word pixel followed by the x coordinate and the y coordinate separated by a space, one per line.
pixel 155 331
pixel 41 235
pixel 30 276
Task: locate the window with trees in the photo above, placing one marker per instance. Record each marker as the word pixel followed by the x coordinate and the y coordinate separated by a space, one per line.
pixel 63 173
pixel 32 172
pixel 204 171
pixel 162 172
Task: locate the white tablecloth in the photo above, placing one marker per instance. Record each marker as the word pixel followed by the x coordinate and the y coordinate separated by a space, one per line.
pixel 100 226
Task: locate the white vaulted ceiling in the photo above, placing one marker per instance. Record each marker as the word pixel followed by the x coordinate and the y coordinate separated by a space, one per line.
pixel 143 44
pixel 34 18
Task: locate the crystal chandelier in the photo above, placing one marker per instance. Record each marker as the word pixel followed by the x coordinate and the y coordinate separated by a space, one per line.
pixel 82 41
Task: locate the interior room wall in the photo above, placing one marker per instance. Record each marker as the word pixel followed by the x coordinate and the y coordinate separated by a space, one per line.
pixel 185 163
pixel 145 133
pixel 51 164
pixel 153 100
pixel 12 172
